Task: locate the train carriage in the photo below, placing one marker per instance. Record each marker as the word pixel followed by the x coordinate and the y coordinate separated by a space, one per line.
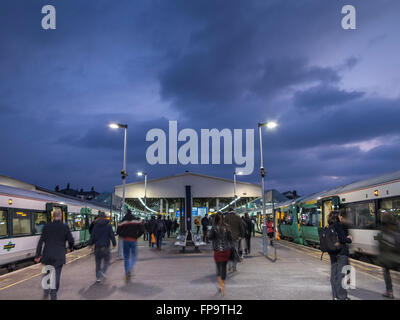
pixel 23 214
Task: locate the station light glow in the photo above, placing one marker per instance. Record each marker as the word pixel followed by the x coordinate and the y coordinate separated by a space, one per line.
pixel 113 126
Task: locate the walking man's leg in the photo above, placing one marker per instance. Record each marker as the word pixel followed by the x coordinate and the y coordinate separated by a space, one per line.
pixel 53 292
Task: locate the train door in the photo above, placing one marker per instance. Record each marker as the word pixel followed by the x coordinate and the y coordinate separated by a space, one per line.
pixel 326 209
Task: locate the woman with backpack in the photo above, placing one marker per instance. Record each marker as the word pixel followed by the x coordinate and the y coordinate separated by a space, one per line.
pixel 222 239
pixel 339 257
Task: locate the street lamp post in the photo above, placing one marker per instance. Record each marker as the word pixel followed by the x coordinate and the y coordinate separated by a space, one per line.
pixel 234 185
pixel 269 125
pixel 124 175
pixel 145 187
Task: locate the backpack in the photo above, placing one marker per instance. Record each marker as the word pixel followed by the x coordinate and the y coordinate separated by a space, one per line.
pixel 328 240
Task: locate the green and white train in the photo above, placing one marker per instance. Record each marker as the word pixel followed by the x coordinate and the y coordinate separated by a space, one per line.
pixel 23 213
pixel 363 201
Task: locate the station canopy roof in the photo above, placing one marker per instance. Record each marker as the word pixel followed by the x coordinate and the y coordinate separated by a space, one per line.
pixel 202 186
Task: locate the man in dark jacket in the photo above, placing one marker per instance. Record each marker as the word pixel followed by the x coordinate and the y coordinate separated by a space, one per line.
pixel 248 231
pixel 237 229
pixel 130 230
pixel 205 222
pixel 159 230
pixel 102 234
pixel 151 226
pixel 168 225
pixel 54 236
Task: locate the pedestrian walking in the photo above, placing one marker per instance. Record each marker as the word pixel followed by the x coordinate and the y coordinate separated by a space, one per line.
pixel 198 224
pixel 151 226
pixel 159 231
pixel 339 257
pixel 205 222
pixel 146 234
pixel 248 231
pixel 101 236
pixel 221 237
pixel 130 230
pixel 270 231
pixel 233 220
pixel 389 249
pixel 168 225
pixel 54 236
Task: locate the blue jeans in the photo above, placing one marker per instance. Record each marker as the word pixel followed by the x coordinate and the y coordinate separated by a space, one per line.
pixel 159 240
pixel 129 255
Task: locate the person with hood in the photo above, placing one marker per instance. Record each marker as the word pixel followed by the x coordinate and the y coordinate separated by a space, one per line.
pixel 101 235
pixel 205 222
pixel 235 223
pixel 130 230
pixel 389 249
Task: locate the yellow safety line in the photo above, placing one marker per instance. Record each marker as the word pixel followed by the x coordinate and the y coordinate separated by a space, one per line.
pixel 36 275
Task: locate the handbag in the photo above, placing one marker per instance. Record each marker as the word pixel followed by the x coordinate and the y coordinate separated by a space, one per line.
pixel 234 255
pixel 153 238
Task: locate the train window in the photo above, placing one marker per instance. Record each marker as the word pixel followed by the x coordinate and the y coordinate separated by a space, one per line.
pixel 79 222
pixel 71 221
pixel 310 217
pixel 3 224
pixel 392 206
pixel 21 223
pixel 361 215
pixel 39 220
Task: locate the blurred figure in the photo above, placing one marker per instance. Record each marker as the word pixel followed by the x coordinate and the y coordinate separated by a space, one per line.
pixel 151 228
pixel 197 224
pixel 340 257
pixel 222 239
pixel 168 225
pixel 175 226
pixel 248 231
pixel 233 220
pixel 389 249
pixel 54 236
pixel 270 231
pixel 159 230
pixel 146 234
pixel 130 230
pixel 101 235
pixel 205 222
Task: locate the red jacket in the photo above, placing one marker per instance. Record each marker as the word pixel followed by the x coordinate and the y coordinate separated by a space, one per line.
pixel 270 227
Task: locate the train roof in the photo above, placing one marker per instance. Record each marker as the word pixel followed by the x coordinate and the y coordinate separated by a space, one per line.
pixel 42 195
pixel 357 185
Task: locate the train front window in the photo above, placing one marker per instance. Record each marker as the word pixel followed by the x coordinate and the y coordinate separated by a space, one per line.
pixel 39 220
pixel 392 206
pixel 3 224
pixel 21 223
pixel 361 215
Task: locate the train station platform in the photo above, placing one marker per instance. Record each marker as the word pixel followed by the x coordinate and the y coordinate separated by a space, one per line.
pixel 297 274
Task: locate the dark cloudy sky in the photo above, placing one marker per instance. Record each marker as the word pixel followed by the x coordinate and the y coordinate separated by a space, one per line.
pixel 208 64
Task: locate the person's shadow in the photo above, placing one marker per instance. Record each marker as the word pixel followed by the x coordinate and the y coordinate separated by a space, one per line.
pixel 97 291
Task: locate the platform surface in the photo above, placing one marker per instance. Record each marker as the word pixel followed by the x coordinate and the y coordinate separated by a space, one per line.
pixel 298 273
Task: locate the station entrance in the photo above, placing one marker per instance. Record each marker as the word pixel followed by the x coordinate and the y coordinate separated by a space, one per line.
pixel 187 196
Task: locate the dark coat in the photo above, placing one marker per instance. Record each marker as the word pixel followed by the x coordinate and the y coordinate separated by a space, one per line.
pixel 248 227
pixel 342 233
pixel 102 234
pixel 235 224
pixel 130 229
pixel 205 223
pixel 159 227
pixel 54 236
